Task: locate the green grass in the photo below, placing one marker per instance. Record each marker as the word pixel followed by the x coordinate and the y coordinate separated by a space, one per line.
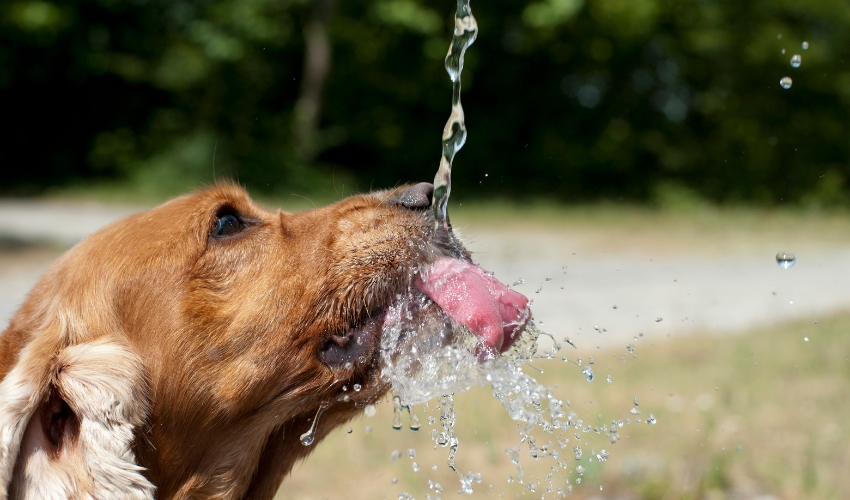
pixel 762 413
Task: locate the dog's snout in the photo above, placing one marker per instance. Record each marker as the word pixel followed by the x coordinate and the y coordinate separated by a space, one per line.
pixel 416 197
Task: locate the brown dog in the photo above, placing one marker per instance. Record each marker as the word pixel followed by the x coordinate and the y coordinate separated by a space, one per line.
pixel 181 352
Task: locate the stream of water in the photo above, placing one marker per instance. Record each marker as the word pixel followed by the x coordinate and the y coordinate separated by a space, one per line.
pixel 454 133
pixel 430 360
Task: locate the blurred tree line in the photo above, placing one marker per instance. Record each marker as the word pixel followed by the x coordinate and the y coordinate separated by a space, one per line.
pixel 570 99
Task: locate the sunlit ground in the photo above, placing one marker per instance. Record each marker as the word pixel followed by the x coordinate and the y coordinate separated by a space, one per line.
pixel 741 416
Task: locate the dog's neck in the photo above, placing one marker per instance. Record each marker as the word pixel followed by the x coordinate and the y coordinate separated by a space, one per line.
pixel 265 454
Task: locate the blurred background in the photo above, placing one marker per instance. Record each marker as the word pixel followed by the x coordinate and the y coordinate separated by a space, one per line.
pixel 634 166
pixel 571 100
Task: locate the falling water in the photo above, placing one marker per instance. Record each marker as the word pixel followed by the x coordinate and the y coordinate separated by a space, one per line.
pixel 398 412
pixel 424 361
pixel 423 364
pixel 454 133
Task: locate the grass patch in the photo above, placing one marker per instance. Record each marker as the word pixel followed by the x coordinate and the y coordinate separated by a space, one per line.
pixel 741 416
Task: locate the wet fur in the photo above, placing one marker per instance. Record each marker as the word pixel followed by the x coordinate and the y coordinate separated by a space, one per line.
pixel 153 360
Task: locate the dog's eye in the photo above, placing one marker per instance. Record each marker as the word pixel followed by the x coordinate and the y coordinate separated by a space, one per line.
pixel 226 224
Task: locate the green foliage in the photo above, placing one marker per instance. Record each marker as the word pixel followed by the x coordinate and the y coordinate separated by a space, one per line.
pixel 646 100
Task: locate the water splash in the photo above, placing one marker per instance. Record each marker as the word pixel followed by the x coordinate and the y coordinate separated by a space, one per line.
pixel 425 358
pixel 454 133
pixel 447 421
pixel 308 437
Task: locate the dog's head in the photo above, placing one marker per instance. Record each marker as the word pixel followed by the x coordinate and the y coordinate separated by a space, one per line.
pixel 212 330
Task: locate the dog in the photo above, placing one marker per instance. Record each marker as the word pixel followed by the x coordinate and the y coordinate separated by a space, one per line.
pixel 182 352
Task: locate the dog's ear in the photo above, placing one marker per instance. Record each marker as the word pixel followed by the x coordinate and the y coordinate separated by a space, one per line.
pixel 68 419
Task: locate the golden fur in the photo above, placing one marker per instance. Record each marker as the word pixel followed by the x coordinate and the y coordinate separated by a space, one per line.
pixel 156 359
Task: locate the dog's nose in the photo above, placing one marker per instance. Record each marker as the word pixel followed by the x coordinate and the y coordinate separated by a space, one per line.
pixel 415 197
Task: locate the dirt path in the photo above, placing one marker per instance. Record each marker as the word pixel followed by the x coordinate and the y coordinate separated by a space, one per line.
pixel 625 293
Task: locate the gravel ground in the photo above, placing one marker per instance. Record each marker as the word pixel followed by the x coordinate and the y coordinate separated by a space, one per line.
pixel 623 289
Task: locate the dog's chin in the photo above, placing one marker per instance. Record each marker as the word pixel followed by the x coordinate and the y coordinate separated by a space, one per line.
pixel 356 349
pixel 411 322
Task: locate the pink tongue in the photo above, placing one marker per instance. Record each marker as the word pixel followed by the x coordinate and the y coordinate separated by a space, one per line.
pixel 476 300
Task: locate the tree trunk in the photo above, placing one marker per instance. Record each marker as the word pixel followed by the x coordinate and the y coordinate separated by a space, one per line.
pixel 317 64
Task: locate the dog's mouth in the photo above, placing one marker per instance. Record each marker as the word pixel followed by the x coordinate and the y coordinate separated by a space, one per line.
pixel 425 311
pixel 446 292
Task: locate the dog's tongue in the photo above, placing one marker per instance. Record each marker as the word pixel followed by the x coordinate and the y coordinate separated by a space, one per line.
pixel 473 298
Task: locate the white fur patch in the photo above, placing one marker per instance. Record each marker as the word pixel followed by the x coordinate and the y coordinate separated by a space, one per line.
pixel 102 382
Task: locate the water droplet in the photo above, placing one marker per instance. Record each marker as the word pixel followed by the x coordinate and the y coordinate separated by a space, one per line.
pixel 415 424
pixel 368 429
pixel 357 387
pixel 349 430
pixel 395 480
pixel 370 410
pixel 783 51
pixel 397 412
pixel 577 451
pixel 614 306
pixel 394 456
pixel 608 378
pixel 806 339
pixel 785 82
pixel 587 371
pixel 362 359
pixel 548 279
pixel 659 319
pixel 415 467
pixel 434 467
pixel 805 45
pixel 580 470
pixel 411 452
pixel 602 456
pixel 651 419
pixel 785 259
pixel 796 60
pixel 308 437
pixel 442 439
